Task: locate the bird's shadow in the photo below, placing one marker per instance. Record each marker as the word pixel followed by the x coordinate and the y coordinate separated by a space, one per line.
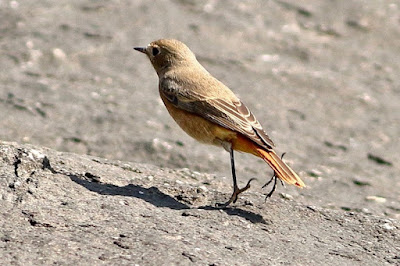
pixel 155 197
pixel 248 215
pixel 151 195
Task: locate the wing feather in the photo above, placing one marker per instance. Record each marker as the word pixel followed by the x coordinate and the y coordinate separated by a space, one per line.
pixel 245 120
pixel 233 115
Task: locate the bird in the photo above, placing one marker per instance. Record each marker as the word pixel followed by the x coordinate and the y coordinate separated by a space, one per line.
pixel 210 112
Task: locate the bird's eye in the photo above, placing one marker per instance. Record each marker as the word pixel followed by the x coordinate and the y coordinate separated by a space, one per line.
pixel 155 51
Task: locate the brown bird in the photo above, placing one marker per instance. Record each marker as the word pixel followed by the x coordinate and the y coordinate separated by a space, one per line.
pixel 210 112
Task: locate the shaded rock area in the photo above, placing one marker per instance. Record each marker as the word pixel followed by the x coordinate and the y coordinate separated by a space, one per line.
pixel 120 183
pixel 63 208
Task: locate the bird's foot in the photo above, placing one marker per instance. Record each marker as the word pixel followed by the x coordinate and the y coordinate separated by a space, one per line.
pixel 273 178
pixel 235 194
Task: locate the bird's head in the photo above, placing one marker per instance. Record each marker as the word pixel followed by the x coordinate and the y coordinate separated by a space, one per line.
pixel 167 53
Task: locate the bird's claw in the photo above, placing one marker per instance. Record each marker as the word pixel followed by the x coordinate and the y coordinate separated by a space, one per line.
pixel 235 194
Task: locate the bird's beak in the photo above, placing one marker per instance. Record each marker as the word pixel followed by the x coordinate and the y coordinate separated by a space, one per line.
pixel 140 49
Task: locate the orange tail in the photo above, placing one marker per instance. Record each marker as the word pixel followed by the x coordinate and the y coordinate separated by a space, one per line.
pixel 282 170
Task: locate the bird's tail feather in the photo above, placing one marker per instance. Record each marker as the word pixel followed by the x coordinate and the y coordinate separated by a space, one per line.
pixel 282 170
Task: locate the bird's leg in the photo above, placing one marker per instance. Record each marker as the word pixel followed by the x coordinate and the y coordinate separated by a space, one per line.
pixel 236 189
pixel 274 178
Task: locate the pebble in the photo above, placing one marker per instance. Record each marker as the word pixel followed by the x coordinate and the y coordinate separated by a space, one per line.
pixel 376 199
pixel 124 202
pixel 286 196
pixel 36 154
pixel 201 189
pixel 59 54
pixel 387 226
pixel 270 57
pixel 366 211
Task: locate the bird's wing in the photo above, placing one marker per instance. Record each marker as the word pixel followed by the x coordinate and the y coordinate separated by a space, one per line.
pixel 231 114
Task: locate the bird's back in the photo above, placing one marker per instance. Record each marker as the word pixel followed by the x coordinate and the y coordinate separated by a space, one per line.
pixel 196 81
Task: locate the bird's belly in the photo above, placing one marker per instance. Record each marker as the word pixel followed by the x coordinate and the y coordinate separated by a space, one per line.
pixel 199 128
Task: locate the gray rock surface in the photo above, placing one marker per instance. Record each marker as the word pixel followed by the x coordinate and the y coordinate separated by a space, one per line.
pixel 321 76
pixel 68 209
